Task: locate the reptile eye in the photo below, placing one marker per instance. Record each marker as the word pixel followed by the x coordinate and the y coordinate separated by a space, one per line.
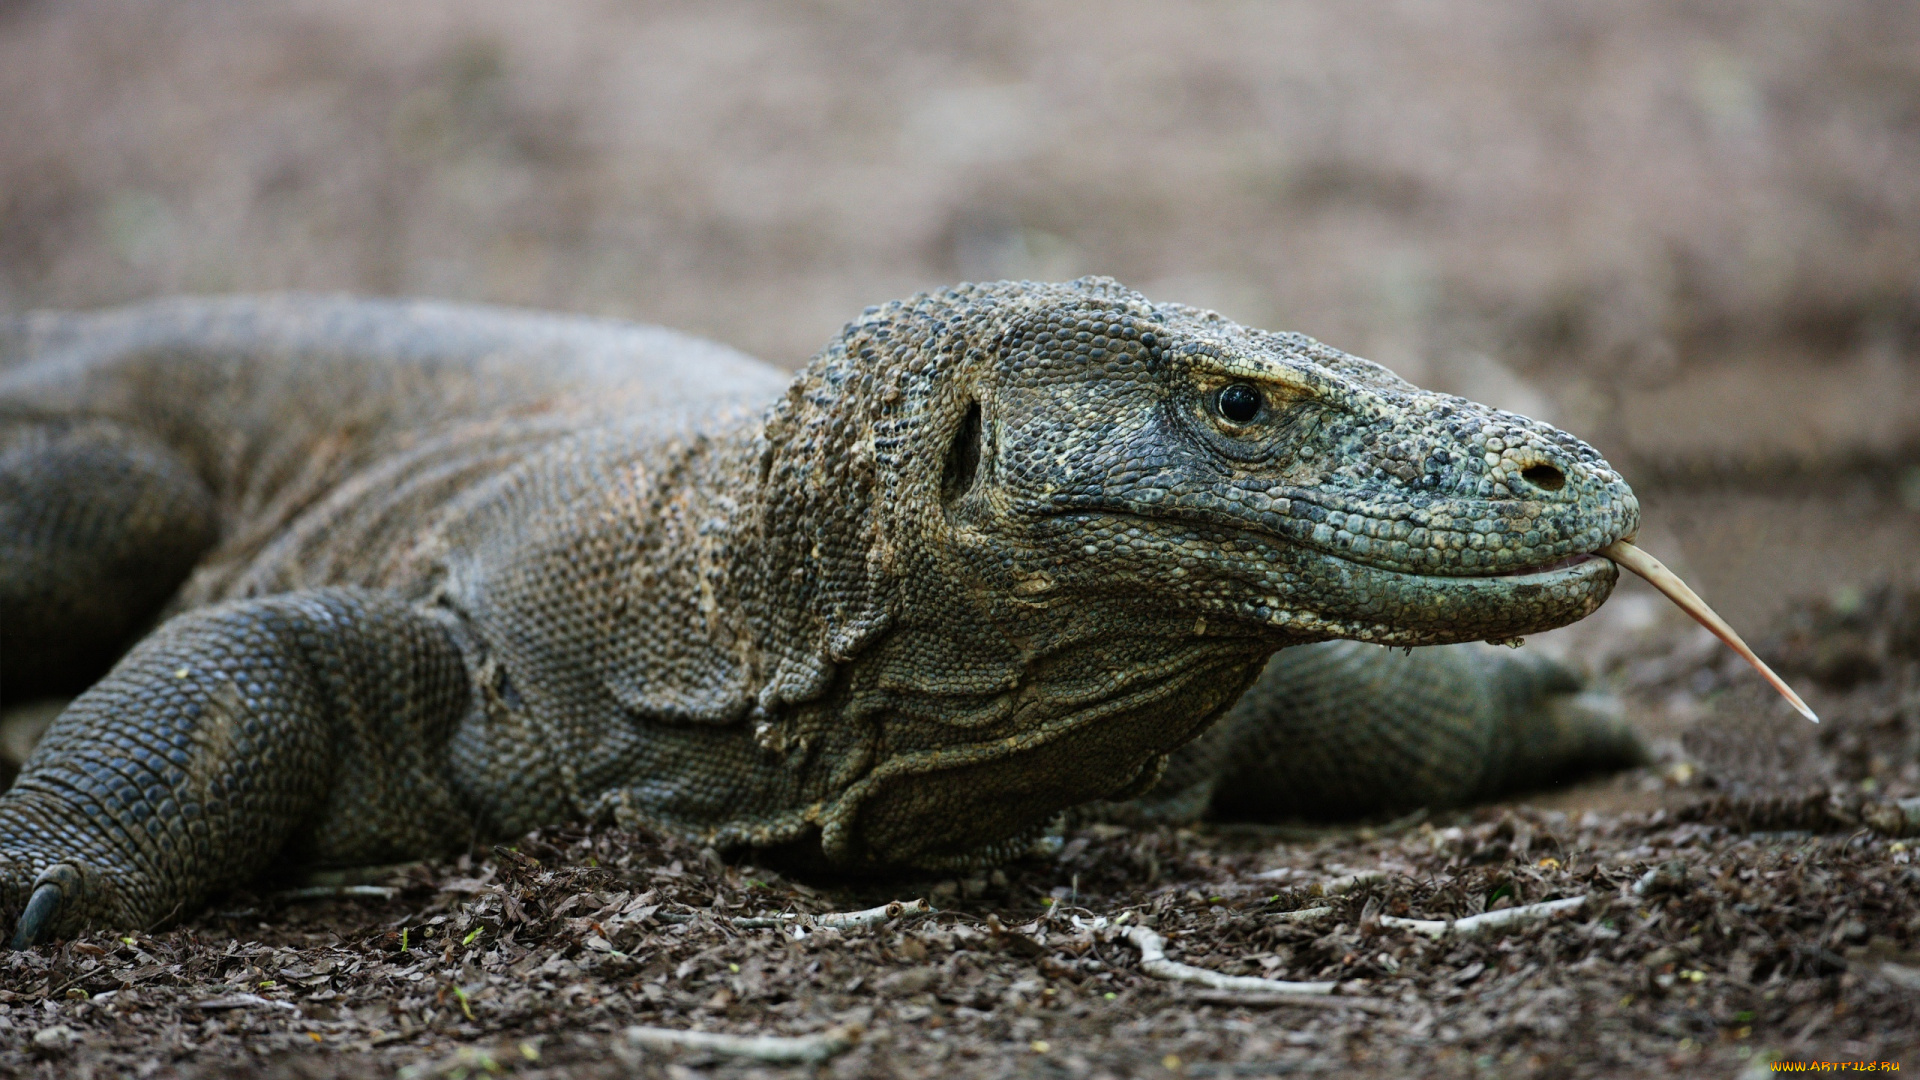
pixel 1238 403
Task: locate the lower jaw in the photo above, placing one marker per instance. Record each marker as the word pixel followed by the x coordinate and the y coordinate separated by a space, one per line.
pixel 1392 608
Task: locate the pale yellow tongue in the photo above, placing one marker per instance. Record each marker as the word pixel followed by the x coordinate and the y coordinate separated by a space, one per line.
pixel 1676 590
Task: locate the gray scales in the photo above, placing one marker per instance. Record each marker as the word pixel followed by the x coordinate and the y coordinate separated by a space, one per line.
pixel 351 582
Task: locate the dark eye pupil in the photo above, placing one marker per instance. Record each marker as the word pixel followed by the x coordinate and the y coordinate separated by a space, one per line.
pixel 1239 403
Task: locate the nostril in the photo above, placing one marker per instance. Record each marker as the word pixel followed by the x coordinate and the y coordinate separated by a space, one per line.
pixel 1544 477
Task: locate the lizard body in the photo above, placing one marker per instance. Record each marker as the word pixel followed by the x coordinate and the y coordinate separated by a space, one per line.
pixel 427 573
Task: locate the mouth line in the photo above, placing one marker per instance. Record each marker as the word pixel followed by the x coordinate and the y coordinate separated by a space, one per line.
pixel 1565 567
pixel 1187 515
pixel 1566 563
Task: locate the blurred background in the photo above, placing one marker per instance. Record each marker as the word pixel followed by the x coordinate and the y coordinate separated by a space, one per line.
pixel 1687 230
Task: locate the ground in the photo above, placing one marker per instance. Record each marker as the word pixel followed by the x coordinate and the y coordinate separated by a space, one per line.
pixel 1737 913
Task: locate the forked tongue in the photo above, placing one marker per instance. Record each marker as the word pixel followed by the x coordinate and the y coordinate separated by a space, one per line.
pixel 1676 590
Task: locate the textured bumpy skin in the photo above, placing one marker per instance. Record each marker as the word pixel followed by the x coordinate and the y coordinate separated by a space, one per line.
pixel 427 574
pixel 1344 730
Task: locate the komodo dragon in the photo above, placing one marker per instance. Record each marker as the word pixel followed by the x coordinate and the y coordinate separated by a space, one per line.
pixel 425 574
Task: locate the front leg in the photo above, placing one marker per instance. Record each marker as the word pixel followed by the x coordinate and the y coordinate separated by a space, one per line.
pixel 310 725
pixel 1346 730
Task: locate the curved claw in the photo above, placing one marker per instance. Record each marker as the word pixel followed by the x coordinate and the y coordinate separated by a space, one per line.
pixel 41 907
pixel 51 888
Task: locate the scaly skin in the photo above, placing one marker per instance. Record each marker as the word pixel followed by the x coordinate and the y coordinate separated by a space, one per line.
pixel 450 573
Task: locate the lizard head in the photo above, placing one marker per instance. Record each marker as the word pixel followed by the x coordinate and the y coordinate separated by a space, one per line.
pixel 1263 482
pixel 1087 520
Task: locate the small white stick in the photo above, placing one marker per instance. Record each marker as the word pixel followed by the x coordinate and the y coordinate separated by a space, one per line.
pixel 1299 1001
pixel 775 1049
pixel 1303 915
pixel 1669 583
pixel 1492 920
pixel 1153 961
pixel 838 920
pixel 1340 886
pixel 338 892
pixel 242 1001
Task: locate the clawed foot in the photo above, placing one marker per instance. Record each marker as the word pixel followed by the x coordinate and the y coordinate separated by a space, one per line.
pixel 54 892
pixel 41 908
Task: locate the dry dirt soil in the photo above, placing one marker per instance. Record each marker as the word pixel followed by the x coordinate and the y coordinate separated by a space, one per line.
pixel 1741 907
pixel 1687 230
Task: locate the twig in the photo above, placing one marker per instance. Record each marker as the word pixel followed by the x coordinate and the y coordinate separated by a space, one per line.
pixel 1153 961
pixel 1907 978
pixel 832 920
pixel 1311 914
pixel 1492 920
pixel 242 1001
pixel 1303 1001
pixel 338 892
pixel 1340 886
pixel 1667 877
pixel 840 920
pixel 774 1049
pixel 70 983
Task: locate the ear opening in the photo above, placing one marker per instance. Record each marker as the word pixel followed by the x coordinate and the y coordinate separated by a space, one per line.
pixel 963 457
